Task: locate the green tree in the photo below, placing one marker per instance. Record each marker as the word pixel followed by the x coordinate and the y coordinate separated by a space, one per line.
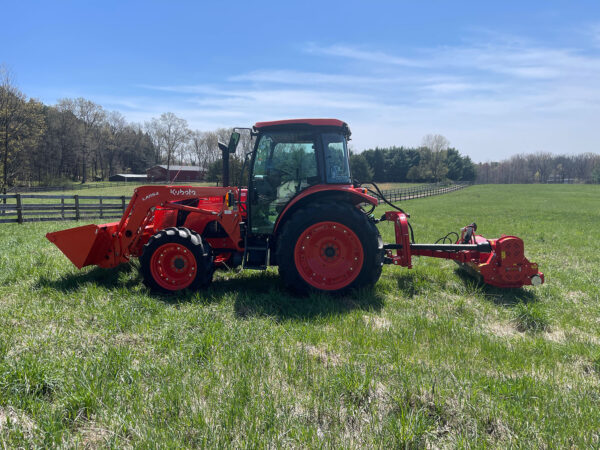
pixel 469 170
pixel 455 164
pixel 214 172
pixel 360 169
pixel 379 165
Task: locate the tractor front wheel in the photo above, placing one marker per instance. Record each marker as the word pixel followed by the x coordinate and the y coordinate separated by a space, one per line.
pixel 175 259
pixel 329 247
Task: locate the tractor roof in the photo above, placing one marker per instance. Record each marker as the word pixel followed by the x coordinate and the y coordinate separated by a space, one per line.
pixel 289 123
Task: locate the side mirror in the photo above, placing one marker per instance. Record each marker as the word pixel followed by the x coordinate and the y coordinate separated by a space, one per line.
pixel 233 142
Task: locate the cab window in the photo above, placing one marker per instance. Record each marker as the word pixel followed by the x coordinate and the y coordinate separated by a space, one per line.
pixel 284 165
pixel 337 170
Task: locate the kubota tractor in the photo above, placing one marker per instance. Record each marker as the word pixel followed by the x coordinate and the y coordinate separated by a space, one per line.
pixel 300 211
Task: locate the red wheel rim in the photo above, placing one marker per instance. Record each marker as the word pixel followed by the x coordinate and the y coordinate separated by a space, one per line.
pixel 328 256
pixel 173 266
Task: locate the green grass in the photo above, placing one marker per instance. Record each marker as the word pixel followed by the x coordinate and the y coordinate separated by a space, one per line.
pixel 426 358
pixel 108 189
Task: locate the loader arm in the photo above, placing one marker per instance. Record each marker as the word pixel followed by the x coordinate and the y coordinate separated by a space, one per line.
pixel 111 244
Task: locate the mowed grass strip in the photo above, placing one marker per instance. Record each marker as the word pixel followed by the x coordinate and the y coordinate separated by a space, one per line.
pixel 427 357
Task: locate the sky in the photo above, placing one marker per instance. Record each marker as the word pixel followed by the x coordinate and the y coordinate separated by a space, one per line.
pixel 495 78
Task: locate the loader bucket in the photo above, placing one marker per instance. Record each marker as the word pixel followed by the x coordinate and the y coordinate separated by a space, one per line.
pixel 86 245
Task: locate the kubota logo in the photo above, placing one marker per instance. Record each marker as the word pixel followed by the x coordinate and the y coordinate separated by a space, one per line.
pixel 182 192
pixel 154 194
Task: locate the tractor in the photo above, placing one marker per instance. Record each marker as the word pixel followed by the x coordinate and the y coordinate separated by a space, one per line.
pixel 300 211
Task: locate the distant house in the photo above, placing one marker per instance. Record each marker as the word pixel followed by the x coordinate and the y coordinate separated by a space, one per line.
pixel 135 177
pixel 176 173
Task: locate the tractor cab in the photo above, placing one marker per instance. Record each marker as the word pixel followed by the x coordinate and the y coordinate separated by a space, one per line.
pixel 289 157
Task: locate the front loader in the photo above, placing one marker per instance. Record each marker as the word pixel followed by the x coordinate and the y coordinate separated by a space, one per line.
pixel 300 211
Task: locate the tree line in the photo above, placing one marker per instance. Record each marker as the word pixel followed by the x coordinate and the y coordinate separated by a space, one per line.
pixel 542 168
pixel 74 140
pixel 77 140
pixel 433 161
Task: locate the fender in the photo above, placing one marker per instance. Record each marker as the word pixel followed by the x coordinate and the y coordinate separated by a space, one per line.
pixel 341 192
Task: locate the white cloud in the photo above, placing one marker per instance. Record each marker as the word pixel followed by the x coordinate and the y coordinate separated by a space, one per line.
pixel 491 98
pixel 302 78
pixel 364 55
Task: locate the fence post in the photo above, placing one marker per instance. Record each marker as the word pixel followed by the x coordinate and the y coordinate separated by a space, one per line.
pixel 19 209
pixel 101 207
pixel 76 197
pixel 62 208
pixel 123 203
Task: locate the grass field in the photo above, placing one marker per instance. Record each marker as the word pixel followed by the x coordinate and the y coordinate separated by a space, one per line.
pixel 426 358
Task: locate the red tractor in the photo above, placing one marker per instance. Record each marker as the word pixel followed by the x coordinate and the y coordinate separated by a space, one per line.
pixel 300 211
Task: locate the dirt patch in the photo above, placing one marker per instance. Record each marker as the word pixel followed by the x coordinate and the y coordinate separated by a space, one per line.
pixel 587 337
pixel 95 436
pixel 576 296
pixel 324 356
pixel 498 430
pixel 555 336
pixel 16 418
pixel 378 323
pixel 502 330
pixel 129 339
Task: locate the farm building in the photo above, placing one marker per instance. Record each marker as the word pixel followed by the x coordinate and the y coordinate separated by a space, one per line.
pixel 128 177
pixel 176 173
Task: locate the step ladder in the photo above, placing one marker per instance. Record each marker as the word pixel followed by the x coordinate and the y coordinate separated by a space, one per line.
pixel 257 255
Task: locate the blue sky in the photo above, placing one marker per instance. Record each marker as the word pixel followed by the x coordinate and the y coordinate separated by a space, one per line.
pixel 495 78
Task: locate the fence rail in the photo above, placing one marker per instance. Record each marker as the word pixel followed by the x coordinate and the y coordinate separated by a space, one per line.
pixel 427 190
pixel 21 208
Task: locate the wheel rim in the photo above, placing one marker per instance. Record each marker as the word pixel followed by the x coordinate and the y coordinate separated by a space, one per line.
pixel 328 255
pixel 173 266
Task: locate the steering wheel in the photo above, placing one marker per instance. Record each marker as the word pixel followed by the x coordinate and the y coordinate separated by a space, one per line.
pixel 277 171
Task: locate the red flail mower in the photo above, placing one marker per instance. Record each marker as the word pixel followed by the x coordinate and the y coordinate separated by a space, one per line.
pixel 300 211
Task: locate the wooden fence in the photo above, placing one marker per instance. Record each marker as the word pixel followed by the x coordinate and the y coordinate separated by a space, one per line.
pixel 98 185
pixel 426 190
pixel 21 208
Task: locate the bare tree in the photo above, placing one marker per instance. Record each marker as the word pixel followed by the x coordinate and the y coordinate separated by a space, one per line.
pixel 541 163
pixel 10 102
pixel 438 146
pixel 583 164
pixel 114 132
pixel 200 149
pixel 170 133
pixel 90 116
pixel 22 125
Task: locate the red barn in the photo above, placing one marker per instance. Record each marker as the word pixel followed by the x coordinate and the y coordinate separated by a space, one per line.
pixel 176 173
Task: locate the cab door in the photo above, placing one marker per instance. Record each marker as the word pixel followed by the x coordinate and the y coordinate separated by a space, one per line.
pixel 285 163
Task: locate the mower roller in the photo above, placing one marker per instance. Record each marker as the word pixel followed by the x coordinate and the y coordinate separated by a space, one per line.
pixel 300 211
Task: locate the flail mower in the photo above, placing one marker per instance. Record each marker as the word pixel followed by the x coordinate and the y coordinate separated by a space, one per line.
pixel 300 211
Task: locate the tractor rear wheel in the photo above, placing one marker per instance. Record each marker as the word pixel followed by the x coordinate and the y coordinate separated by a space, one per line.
pixel 175 259
pixel 329 247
